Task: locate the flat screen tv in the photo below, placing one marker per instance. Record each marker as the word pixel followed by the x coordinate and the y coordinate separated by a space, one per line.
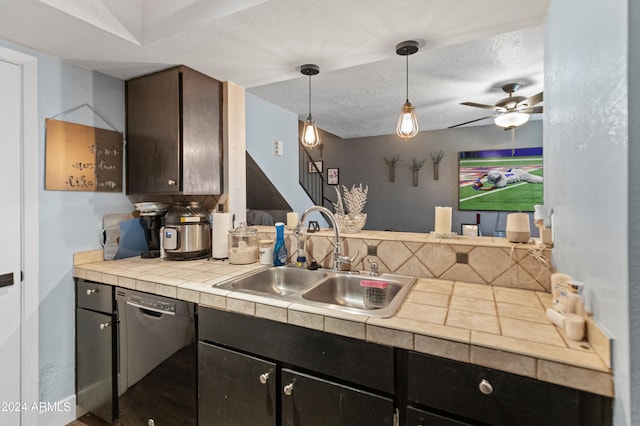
pixel 500 180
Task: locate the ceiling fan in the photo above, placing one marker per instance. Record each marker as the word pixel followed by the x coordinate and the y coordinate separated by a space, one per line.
pixel 512 111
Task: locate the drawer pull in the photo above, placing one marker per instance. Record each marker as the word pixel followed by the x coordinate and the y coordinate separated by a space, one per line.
pixel 171 182
pixel 104 325
pixel 485 387
pixel 288 390
pixel 264 378
pixel 90 291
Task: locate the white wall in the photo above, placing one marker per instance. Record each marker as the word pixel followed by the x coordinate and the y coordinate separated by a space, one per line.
pixel 69 221
pixel 586 144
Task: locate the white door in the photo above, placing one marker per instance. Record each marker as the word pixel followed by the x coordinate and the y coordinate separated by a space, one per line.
pixel 11 246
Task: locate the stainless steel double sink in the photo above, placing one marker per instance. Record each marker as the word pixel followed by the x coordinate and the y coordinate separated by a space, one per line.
pixel 377 296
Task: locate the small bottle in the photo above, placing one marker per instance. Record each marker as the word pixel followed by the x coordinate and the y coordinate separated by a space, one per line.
pixel 280 249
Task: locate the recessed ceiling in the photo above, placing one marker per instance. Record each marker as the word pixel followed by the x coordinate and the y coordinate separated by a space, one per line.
pixel 469 48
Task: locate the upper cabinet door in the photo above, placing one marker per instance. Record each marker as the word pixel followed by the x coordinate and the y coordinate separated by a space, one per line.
pixel 174 133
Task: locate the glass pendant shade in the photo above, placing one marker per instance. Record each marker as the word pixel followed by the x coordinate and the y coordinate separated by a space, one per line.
pixel 511 119
pixel 407 123
pixel 309 136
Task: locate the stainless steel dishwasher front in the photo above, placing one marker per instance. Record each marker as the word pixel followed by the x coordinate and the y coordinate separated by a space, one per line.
pixel 151 329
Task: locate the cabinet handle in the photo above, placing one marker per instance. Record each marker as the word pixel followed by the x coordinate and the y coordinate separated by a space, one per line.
pixel 90 291
pixel 104 325
pixel 485 387
pixel 171 182
pixel 264 377
pixel 288 390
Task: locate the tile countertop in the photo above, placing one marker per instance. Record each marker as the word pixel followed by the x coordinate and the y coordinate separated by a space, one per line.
pixel 496 327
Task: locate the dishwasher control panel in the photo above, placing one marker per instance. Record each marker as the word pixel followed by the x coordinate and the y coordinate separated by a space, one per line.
pixel 152 303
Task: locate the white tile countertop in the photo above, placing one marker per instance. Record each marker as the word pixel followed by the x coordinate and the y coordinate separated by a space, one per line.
pixel 491 326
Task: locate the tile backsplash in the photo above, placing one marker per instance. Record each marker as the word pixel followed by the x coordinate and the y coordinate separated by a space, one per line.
pixel 481 260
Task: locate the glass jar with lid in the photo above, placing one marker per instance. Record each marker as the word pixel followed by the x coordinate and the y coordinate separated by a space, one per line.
pixel 243 245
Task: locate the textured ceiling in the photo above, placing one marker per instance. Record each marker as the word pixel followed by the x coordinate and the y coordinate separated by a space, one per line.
pixel 469 48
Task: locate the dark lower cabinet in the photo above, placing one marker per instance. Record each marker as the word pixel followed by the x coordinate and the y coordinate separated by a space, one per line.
pixel 258 372
pixel 254 371
pixel 95 348
pixel 417 417
pixel 240 389
pixel 460 392
pixel 311 401
pixel 234 389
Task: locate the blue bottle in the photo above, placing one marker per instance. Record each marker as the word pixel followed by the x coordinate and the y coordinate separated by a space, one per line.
pixel 280 249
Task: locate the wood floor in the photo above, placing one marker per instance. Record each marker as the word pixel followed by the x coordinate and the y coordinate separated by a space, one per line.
pixel 168 395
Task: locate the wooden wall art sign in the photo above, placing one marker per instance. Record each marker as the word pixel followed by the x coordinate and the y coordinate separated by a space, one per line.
pixel 82 158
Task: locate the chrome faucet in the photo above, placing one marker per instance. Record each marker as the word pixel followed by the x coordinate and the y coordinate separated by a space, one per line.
pixel 338 258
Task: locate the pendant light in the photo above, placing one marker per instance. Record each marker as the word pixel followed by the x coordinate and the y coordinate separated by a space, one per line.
pixel 407 123
pixel 309 137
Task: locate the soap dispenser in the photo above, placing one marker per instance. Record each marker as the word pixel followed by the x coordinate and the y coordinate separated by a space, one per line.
pixel 280 249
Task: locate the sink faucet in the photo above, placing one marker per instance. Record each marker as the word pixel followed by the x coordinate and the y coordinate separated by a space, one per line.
pixel 338 258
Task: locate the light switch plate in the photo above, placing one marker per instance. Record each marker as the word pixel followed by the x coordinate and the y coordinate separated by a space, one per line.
pixel 278 148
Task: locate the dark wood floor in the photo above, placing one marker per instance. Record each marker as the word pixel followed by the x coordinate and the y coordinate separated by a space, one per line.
pixel 168 395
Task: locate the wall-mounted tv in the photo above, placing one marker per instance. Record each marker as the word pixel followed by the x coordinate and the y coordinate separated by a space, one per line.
pixel 500 180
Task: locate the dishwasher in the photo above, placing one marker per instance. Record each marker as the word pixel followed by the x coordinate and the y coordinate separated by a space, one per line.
pixel 151 331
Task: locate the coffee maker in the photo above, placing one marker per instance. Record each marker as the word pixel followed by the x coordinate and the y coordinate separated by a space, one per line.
pixel 152 215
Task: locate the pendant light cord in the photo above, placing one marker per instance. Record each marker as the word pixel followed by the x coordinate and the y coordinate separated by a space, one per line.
pixel 407 67
pixel 309 95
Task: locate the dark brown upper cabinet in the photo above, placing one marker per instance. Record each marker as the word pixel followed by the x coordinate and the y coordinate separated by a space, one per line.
pixel 174 133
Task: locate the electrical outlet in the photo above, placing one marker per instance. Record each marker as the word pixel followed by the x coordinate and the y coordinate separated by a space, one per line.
pixel 372 251
pixel 462 258
pixel 278 149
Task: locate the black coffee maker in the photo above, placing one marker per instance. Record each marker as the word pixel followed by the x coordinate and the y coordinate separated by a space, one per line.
pixel 152 219
pixel 152 226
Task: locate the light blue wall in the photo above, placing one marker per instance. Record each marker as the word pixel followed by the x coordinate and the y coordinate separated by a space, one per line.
pixel 267 123
pixel 589 176
pixel 69 221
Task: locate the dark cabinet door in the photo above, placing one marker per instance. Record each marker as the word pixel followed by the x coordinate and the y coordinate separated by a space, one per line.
pixel 234 389
pixel 311 401
pixel 490 396
pixel 95 372
pixel 417 417
pixel 153 133
pixel 174 133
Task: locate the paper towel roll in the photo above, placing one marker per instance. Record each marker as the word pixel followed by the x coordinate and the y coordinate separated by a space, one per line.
pixel 220 227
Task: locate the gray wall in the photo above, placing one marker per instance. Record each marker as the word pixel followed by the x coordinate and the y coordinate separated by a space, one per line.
pixel 401 206
pixel 69 221
pixel 589 184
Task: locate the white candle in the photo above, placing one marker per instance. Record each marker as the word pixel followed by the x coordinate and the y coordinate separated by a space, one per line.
pixel 292 219
pixel 443 220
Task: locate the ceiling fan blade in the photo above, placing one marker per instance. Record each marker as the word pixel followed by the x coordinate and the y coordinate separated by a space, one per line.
pixel 472 121
pixel 473 104
pixel 533 100
pixel 534 110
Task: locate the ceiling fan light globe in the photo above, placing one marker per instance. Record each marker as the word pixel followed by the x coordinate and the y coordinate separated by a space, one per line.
pixel 310 137
pixel 511 119
pixel 407 123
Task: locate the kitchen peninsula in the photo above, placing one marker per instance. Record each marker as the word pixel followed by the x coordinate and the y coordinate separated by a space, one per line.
pixel 496 326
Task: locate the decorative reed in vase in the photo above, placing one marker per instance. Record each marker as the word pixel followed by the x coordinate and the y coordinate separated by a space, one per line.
pixel 417 165
pixel 392 163
pixel 436 164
